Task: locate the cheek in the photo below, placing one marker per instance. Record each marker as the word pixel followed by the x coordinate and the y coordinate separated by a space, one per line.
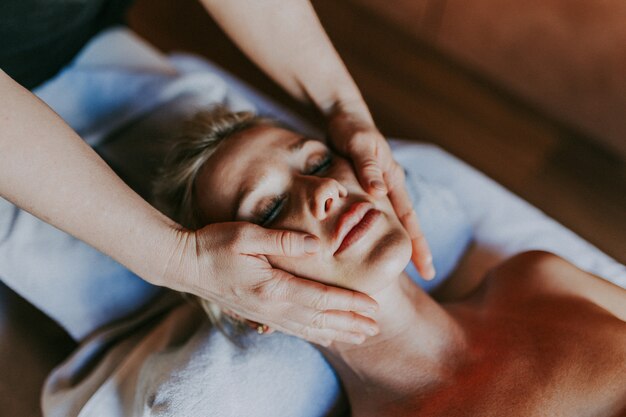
pixel 316 266
pixel 392 254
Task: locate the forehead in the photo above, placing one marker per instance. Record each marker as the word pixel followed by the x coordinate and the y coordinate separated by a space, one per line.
pixel 240 160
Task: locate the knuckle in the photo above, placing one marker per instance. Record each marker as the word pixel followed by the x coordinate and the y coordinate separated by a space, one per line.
pixel 277 240
pixel 278 289
pixel 370 164
pixel 321 301
pixel 318 320
pixel 418 241
pixel 362 135
pixel 397 172
pixel 330 334
pixel 360 140
pixel 354 322
pixel 352 301
pixel 239 237
pixel 263 292
pixel 305 332
pixel 286 242
pixel 235 292
pixel 406 216
pixel 400 172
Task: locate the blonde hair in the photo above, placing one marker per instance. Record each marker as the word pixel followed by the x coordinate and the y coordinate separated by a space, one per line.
pixel 174 188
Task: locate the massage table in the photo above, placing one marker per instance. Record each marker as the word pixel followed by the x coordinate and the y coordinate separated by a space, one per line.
pixel 471 222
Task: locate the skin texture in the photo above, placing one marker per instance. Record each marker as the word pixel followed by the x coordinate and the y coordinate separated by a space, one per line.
pixel 314 198
pixel 307 65
pixel 82 196
pixel 537 337
pixel 99 208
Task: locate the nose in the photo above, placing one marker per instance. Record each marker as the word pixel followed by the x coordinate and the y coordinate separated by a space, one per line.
pixel 325 194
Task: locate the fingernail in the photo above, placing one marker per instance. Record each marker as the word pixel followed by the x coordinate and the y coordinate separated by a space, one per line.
pixel 357 339
pixel 379 185
pixel 430 272
pixel 311 244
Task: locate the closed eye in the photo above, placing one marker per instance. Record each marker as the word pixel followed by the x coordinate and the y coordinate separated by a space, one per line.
pixel 320 165
pixel 271 210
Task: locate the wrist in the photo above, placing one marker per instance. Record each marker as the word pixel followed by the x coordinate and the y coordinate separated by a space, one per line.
pixel 178 269
pixel 352 107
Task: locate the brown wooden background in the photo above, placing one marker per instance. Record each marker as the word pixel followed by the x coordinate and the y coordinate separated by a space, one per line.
pixel 415 91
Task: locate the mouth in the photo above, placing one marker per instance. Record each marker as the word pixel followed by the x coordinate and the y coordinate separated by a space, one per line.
pixel 354 224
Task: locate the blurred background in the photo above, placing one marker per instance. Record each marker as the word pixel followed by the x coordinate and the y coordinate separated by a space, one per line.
pixel 532 93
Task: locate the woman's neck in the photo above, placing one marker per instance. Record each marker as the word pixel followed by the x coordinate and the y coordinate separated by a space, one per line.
pixel 418 347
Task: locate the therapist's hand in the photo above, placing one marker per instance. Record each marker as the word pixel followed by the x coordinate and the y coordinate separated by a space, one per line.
pixel 226 263
pixel 353 133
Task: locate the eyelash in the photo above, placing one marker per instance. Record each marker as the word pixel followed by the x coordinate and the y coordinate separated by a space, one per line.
pixel 320 165
pixel 272 209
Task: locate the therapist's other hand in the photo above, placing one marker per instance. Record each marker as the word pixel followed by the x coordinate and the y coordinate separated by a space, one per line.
pixel 354 134
pixel 226 263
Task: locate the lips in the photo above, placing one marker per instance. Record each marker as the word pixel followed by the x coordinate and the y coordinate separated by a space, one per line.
pixel 354 224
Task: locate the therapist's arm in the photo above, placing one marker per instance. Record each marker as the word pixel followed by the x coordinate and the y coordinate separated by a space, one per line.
pixel 47 169
pixel 286 39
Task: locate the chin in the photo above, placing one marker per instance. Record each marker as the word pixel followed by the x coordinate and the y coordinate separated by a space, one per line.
pixel 369 274
pixel 388 258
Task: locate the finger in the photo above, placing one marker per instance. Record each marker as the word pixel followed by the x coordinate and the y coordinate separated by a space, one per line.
pixel 370 174
pixel 312 333
pixel 318 296
pixel 422 259
pixel 322 337
pixel 364 155
pixel 257 240
pixel 340 321
pixel 421 255
pixel 401 202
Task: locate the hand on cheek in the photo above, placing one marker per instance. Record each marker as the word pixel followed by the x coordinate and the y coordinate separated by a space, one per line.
pixel 252 289
pixel 380 174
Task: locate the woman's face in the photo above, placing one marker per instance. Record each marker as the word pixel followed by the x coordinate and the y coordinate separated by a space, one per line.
pixel 281 180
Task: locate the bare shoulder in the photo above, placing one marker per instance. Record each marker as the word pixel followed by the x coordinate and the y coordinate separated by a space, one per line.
pixel 562 332
pixel 532 274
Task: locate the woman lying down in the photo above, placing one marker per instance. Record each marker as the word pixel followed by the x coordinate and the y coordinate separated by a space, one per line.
pixel 538 337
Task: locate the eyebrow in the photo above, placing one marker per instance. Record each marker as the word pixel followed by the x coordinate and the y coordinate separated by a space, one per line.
pixel 294 147
pixel 299 144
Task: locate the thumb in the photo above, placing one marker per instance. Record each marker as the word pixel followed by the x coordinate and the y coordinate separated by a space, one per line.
pixel 261 241
pixel 364 154
pixel 370 174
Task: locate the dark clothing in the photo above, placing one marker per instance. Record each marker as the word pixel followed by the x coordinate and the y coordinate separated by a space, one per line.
pixel 39 37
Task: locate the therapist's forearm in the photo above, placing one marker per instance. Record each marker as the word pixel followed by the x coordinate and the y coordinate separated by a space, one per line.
pixel 286 39
pixel 46 169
